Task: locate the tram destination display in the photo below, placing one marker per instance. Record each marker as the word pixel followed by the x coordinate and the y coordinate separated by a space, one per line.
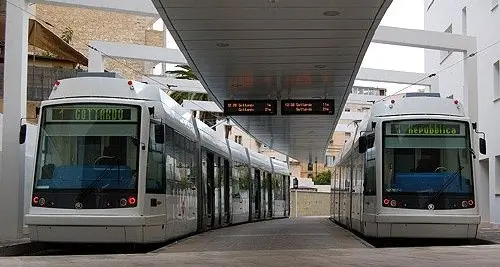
pixel 250 107
pixel 307 107
pixel 92 114
pixel 425 129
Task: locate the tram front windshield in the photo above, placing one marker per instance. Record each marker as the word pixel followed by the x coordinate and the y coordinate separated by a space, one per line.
pixel 85 150
pixel 427 165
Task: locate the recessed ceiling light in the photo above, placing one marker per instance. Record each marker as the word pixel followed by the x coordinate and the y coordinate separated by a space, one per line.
pixel 331 13
pixel 222 44
pixel 320 66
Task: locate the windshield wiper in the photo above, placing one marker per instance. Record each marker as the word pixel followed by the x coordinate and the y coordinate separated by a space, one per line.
pixel 448 180
pixel 91 187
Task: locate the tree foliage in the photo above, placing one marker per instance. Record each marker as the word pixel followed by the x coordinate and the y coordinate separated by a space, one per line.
pixel 323 178
pixel 67 35
pixel 186 73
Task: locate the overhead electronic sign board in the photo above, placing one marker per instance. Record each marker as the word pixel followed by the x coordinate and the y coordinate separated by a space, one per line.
pixel 307 107
pixel 250 107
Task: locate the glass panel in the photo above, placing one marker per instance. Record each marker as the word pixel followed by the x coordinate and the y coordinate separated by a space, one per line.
pixel 79 148
pixel 87 149
pixel 156 172
pixel 427 165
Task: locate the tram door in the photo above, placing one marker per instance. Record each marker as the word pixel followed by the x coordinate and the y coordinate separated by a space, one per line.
pixel 227 193
pixel 210 190
pixel 270 199
pixel 257 194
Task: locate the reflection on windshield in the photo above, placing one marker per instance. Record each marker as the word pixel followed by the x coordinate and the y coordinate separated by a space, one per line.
pixel 81 152
pixel 427 162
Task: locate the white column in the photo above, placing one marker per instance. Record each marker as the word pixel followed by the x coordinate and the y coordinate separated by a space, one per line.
pixel 96 61
pixel 15 87
pixel 470 82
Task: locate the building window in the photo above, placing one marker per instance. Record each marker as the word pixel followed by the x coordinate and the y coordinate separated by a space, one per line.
pixel 347 135
pixel 309 167
pixel 330 160
pixel 494 4
pixel 496 80
pixel 445 54
pixel 381 92
pixel 238 139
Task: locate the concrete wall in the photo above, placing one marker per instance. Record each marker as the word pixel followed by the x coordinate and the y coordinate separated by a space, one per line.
pixel 309 204
pixel 481 20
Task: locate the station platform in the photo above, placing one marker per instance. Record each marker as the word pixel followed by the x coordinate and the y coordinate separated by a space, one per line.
pixel 284 242
pixel 281 234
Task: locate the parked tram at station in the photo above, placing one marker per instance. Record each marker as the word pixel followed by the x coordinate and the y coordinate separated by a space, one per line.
pixel 119 161
pixel 409 171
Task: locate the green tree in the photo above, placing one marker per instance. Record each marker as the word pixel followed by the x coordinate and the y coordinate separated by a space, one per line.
pixel 186 73
pixel 323 178
pixel 67 35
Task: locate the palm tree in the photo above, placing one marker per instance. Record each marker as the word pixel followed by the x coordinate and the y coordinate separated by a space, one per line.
pixel 186 73
pixel 67 35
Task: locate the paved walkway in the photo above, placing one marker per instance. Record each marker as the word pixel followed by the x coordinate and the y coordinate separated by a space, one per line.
pixel 297 233
pixel 490 234
pixel 365 257
pixel 282 243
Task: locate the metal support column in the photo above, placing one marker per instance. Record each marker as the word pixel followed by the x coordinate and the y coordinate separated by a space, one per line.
pixel 14 108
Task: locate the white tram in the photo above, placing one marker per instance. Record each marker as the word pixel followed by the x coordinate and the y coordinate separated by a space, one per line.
pixel 119 161
pixel 409 171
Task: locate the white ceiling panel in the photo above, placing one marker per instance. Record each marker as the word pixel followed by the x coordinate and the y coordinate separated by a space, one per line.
pixel 269 4
pixel 259 13
pixel 268 49
pixel 269 34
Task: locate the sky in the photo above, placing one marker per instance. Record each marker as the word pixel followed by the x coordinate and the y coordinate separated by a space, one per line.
pixel 401 13
pixel 404 14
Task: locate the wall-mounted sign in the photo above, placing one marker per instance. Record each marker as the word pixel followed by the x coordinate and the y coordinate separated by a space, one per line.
pixel 250 107
pixel 307 107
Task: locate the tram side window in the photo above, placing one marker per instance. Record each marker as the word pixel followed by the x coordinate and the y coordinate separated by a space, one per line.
pixel 155 174
pixel 170 159
pixel 370 187
pixel 236 179
pixel 190 162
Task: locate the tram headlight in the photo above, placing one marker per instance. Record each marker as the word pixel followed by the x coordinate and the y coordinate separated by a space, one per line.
pixel 35 200
pixel 465 204
pixel 42 201
pixel 387 201
pixel 471 202
pixel 123 202
pixel 393 203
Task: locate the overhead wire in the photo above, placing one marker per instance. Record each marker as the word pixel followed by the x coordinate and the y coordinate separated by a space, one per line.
pixel 444 69
pixel 217 116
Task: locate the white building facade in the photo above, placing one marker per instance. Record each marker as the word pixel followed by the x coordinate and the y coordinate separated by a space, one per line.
pixel 479 19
